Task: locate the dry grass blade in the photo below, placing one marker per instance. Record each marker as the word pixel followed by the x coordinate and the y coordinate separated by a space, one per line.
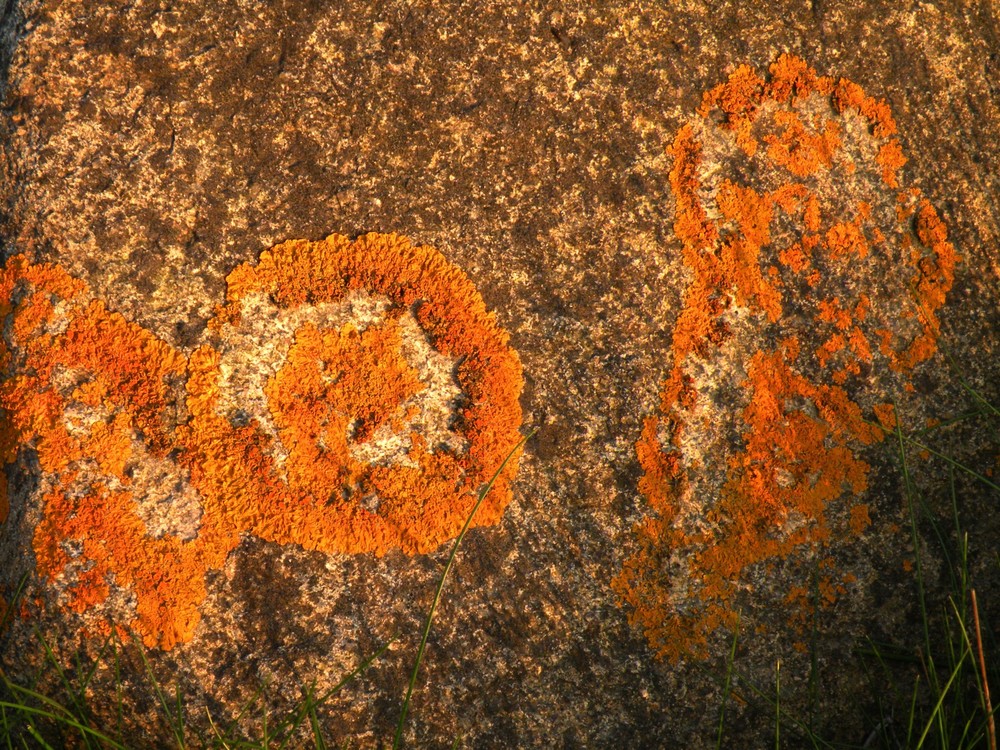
pixel 990 723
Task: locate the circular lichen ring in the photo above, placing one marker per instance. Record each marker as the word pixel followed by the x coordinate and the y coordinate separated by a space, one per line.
pixel 408 358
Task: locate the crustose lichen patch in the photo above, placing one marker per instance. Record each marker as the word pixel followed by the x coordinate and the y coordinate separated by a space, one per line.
pixel 353 397
pixel 814 284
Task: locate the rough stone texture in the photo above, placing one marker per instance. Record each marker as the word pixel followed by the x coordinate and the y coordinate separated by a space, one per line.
pixel 150 147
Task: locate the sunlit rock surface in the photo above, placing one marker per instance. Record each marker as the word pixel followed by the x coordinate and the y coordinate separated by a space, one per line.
pixel 556 159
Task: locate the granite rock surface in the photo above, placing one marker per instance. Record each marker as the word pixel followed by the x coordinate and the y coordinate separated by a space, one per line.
pixel 153 150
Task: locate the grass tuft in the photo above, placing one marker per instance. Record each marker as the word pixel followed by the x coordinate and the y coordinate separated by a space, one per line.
pixel 934 693
pixel 938 692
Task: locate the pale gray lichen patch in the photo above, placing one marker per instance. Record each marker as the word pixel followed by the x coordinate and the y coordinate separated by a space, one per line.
pixel 435 405
pixel 254 351
pixel 166 501
pixel 715 426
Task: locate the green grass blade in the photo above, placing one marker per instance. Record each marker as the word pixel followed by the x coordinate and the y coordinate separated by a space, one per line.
pixel 38 738
pixel 440 587
pixel 251 702
pixel 964 741
pixel 54 705
pixel 66 719
pixel 883 712
pixel 953 365
pixel 175 728
pixel 215 730
pixel 318 742
pixel 265 733
pixel 963 540
pixel 7 730
pixel 79 707
pixel 984 404
pixel 8 614
pixel 356 672
pixel 777 705
pixel 730 662
pixel 290 724
pixel 6 727
pixel 957 464
pixel 813 686
pixel 119 693
pixel 934 452
pixel 787 719
pixel 913 712
pixel 179 703
pixel 950 422
pixel 89 673
pixel 936 717
pixel 914 534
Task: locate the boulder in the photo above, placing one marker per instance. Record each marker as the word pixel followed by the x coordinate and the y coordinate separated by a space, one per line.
pixel 284 285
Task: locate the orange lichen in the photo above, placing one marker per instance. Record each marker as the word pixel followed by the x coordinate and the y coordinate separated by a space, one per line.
pixel 794 258
pixel 110 444
pixel 846 238
pixel 738 100
pixel 886 415
pixel 94 396
pixel 890 158
pixel 800 151
pixel 794 485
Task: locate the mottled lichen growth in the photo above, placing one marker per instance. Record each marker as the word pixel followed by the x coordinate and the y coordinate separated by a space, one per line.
pixel 353 398
pixel 814 284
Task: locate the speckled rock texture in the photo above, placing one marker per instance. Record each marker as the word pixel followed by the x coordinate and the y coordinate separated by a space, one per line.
pixel 713 252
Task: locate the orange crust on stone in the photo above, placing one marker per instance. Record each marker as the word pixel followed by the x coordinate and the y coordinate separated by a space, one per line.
pixel 793 463
pixel 135 382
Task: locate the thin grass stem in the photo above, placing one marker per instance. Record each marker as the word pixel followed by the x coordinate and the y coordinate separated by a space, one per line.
pixel 777 705
pixel 66 719
pixel 730 662
pixel 915 537
pixel 913 711
pixel 935 717
pixel 79 709
pixel 990 723
pixel 930 320
pixel 814 648
pixel 290 724
pixel 251 702
pixel 38 738
pixel 176 730
pixel 215 729
pixel 788 719
pixel 943 456
pixel 397 739
pixel 318 740
pixel 8 614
